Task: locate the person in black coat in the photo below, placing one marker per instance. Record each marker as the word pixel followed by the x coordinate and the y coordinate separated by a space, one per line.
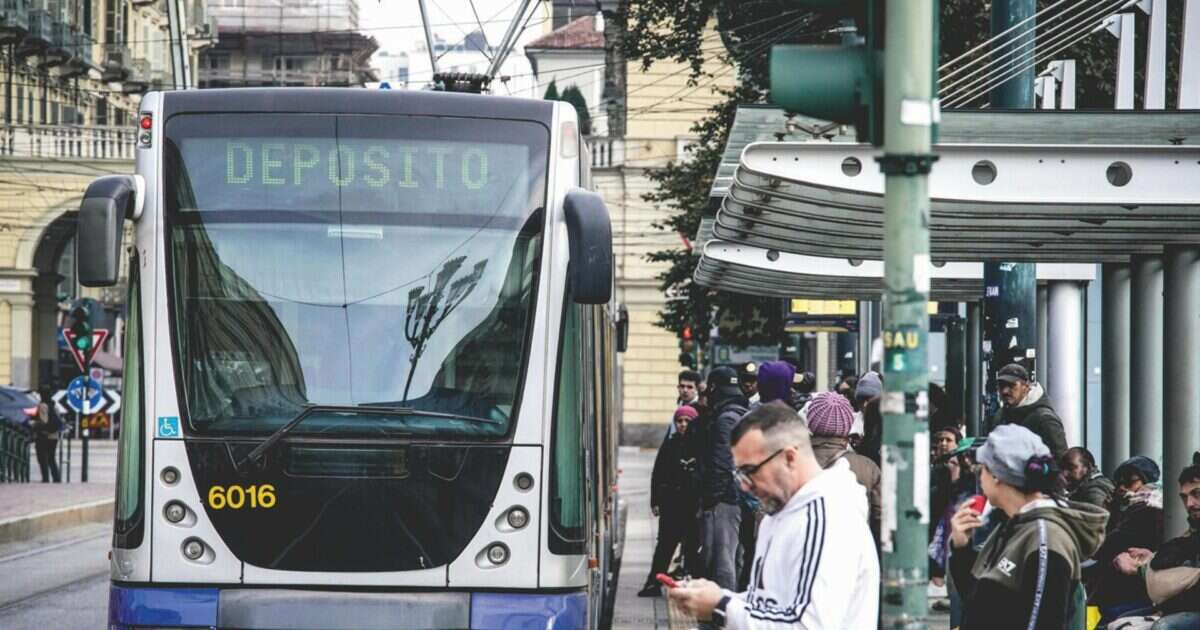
pixel 1027 404
pixel 673 499
pixel 721 514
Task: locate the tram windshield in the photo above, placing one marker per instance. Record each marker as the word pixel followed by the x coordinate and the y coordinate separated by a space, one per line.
pixel 352 262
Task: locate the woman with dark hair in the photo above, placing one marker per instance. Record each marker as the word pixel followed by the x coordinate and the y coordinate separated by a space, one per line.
pixel 46 425
pixel 1027 575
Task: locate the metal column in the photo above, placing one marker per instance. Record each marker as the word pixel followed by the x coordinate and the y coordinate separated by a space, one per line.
pixel 1145 359
pixel 1189 57
pixel 1041 371
pixel 1155 96
pixel 1067 355
pixel 1181 368
pixel 1114 365
pixel 1122 26
pixel 974 387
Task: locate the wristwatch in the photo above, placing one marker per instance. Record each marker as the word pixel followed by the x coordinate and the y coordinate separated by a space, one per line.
pixel 718 616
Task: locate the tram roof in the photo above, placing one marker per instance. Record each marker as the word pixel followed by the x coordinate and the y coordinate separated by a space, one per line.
pixel 355 101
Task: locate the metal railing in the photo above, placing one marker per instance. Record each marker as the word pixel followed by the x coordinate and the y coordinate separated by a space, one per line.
pixel 90 142
pixel 313 78
pixel 14 453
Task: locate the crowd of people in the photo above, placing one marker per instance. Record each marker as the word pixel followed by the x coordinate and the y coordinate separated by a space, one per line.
pixel 768 495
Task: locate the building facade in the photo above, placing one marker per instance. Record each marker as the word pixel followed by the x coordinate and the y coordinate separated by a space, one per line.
pixel 288 43
pixel 71 75
pixel 656 108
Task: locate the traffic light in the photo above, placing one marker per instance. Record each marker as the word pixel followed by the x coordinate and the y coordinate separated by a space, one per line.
pixel 838 83
pixel 687 349
pixel 81 329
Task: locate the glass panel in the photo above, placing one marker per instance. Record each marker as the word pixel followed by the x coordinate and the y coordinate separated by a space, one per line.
pixel 566 450
pixel 353 261
pixel 128 525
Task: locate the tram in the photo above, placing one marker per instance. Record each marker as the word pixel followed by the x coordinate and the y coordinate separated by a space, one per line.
pixel 370 370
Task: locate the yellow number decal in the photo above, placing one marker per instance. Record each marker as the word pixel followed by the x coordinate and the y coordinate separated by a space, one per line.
pixel 266 495
pixel 216 497
pixel 237 497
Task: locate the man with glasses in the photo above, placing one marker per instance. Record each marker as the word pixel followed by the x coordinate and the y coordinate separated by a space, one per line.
pixel 814 565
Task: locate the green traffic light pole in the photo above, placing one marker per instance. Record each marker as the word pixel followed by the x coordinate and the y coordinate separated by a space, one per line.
pixel 909 115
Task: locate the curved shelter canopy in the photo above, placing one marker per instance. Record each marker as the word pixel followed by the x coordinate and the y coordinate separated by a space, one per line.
pixel 1086 203
pixel 756 271
pixel 797 206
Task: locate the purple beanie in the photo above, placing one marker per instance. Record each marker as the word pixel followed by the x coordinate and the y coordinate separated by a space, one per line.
pixel 829 413
pixel 775 381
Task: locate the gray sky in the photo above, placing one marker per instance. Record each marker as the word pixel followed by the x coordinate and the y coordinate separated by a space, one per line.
pixel 396 24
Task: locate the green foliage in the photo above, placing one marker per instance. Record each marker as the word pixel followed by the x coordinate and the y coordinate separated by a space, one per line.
pixel 675 30
pixel 573 96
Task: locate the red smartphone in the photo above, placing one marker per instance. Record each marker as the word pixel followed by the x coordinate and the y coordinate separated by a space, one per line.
pixel 978 502
pixel 667 580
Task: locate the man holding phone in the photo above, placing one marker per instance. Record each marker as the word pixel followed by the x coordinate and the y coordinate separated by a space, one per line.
pixel 815 565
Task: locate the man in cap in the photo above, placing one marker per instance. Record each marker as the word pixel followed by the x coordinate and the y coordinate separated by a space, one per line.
pixel 1027 404
pixel 720 516
pixel 748 380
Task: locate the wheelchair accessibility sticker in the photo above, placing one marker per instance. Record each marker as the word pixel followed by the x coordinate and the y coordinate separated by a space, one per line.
pixel 168 427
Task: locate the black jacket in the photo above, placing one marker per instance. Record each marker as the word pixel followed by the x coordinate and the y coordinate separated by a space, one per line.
pixel 999 583
pixel 716 461
pixel 1180 552
pixel 1037 414
pixel 1096 489
pixel 1134 523
pixel 673 482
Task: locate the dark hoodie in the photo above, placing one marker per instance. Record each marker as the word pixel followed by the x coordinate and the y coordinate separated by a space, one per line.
pixel 1037 414
pixel 999 583
pixel 727 405
pixel 1095 489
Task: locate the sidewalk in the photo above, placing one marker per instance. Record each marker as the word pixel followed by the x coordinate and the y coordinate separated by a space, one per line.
pixel 32 509
pixel 633 612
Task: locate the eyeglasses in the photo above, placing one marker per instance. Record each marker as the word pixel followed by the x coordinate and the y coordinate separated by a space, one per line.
pixel 744 474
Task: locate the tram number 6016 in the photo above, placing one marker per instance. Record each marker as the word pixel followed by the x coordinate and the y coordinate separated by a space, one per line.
pixel 237 497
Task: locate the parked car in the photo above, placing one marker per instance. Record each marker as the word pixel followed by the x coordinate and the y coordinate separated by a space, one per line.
pixel 17 405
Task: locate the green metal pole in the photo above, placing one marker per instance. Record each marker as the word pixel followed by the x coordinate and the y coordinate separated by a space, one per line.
pixel 1010 298
pixel 909 115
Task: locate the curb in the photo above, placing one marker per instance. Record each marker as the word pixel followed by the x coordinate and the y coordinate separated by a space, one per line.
pixel 34 525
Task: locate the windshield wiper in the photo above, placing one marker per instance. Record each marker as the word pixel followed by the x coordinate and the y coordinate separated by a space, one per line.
pixel 374 410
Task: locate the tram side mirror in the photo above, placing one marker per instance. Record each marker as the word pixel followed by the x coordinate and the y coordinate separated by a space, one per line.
pixel 589 231
pixel 107 203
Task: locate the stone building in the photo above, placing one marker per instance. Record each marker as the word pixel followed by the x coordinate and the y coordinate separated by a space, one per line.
pixel 71 76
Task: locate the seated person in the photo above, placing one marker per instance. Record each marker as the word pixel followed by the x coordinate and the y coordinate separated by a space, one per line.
pixel 1136 522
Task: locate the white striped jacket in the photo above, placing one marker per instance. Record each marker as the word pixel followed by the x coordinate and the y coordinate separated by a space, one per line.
pixel 815 565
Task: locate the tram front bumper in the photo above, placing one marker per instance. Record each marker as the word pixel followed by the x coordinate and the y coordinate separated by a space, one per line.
pixel 150 608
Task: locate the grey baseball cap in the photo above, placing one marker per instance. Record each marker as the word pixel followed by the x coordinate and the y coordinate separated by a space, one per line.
pixel 1007 451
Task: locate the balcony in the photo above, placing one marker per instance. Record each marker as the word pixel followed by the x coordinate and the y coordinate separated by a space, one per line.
pixel 37 39
pixel 116 63
pixel 605 152
pixel 61 46
pixel 14 20
pixel 161 79
pixel 82 56
pixel 138 80
pixel 67 141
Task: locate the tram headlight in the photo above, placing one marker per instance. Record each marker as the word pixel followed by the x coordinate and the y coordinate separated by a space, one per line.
pixel 193 549
pixel 170 476
pixel 497 553
pixel 518 517
pixel 524 481
pixel 175 512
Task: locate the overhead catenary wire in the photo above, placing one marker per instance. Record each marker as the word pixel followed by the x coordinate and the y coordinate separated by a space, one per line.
pixel 961 99
pixel 997 37
pixel 1089 24
pixel 1071 26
